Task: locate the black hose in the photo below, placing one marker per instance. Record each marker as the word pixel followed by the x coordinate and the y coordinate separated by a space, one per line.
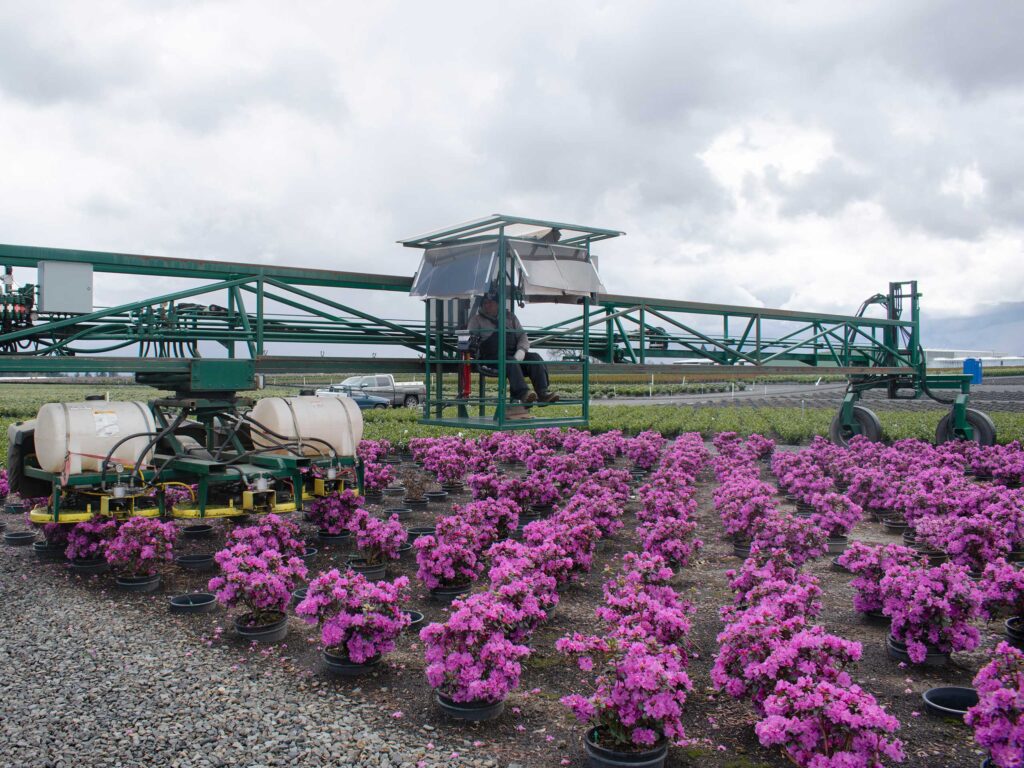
pixel 267 430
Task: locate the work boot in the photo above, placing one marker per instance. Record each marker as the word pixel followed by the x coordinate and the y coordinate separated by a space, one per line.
pixel 517 413
pixel 547 397
pixel 530 397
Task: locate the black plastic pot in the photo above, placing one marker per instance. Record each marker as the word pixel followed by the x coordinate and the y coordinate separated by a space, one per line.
pixel 332 539
pixel 452 488
pixel 416 620
pixel 840 568
pixel 89 566
pixel 19 538
pixel 394 490
pixel 373 498
pixel 415 503
pixel 876 617
pixel 436 495
pixel 193 602
pixel 1015 630
pixel 340 665
pixel 951 701
pixel 894 525
pixel 420 530
pixel 48 552
pixel 837 545
pixel 741 549
pixel 198 531
pixel 201 563
pixel 602 757
pixel 898 651
pixel 15 507
pixel 472 711
pixel 405 549
pixel 309 554
pixel 402 512
pixel 149 583
pixel 298 595
pixel 3 525
pixel 541 510
pixel 376 572
pixel 273 632
pixel 445 595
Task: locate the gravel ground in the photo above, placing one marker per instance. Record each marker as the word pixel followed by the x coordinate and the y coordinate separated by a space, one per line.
pixel 90 678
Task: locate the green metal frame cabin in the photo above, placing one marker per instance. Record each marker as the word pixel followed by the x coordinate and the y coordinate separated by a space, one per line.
pixel 520 261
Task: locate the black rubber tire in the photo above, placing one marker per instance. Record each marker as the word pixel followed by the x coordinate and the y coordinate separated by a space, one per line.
pixel 411 401
pixel 870 427
pixel 379 407
pixel 984 429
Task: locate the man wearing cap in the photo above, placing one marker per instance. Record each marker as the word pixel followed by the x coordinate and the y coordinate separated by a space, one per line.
pixel 483 328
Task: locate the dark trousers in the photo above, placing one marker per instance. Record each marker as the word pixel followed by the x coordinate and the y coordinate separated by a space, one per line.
pixel 537 373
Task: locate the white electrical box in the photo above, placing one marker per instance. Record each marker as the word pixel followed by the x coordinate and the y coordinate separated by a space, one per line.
pixel 65 287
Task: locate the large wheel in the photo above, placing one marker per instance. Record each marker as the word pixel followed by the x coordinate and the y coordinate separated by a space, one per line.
pixel 984 429
pixel 379 406
pixel 411 401
pixel 870 427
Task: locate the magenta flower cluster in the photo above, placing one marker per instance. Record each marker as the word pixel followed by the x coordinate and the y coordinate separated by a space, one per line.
pixel 261 581
pixel 88 540
pixel 271 532
pixel 998 717
pixel 359 619
pixel 140 545
pixel 332 514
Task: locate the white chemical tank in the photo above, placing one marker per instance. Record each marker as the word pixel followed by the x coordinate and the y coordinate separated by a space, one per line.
pixel 313 422
pixel 82 434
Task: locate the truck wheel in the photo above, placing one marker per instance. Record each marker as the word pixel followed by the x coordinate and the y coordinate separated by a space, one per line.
pixel 411 401
pixel 870 427
pixel 379 407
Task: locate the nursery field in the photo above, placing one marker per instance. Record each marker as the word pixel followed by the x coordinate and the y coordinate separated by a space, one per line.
pixel 669 620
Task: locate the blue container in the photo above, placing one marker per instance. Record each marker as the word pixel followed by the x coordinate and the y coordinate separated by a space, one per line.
pixel 972 366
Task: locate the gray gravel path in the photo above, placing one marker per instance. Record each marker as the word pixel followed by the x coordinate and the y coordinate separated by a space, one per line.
pixel 93 679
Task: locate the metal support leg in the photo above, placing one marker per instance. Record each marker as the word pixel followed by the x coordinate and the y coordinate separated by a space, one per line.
pixel 961 427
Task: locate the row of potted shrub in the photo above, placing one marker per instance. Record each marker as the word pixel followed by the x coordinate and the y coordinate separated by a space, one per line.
pixel 794 672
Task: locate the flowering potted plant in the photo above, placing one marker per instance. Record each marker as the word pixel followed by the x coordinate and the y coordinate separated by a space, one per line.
pixel 869 563
pixel 472 665
pixel 377 541
pixel 140 544
pixel 449 560
pixel 415 490
pixel 998 717
pixel 377 477
pixel 801 539
pixel 87 544
pixel 930 610
pixel 1004 589
pixel 636 707
pixel 271 532
pixel 670 537
pixel 817 722
pixel 529 594
pixel 836 515
pixel 359 619
pixel 332 515
pixel 260 582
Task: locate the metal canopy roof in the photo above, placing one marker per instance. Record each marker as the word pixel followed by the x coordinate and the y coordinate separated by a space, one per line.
pixel 514 226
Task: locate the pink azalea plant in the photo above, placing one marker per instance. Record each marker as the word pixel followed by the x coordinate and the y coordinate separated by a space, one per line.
pixel 140 544
pixel 89 539
pixel 835 513
pixel 261 582
pixel 820 724
pixel 271 532
pixel 333 513
pixel 802 539
pixel 998 717
pixel 377 540
pixel 470 657
pixel 931 608
pixel 359 620
pixel 639 690
pixel 451 557
pixel 870 563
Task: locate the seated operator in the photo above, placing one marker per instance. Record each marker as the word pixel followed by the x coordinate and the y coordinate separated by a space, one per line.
pixel 483 328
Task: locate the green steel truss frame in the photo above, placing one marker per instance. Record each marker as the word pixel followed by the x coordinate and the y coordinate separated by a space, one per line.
pixel 158 337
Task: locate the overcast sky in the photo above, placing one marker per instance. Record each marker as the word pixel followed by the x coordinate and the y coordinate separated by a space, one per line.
pixel 797 154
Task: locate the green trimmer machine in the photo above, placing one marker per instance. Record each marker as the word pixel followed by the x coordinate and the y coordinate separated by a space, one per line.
pixel 206 331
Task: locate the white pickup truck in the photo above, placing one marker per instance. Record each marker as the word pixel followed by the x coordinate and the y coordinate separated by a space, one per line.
pixel 407 393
